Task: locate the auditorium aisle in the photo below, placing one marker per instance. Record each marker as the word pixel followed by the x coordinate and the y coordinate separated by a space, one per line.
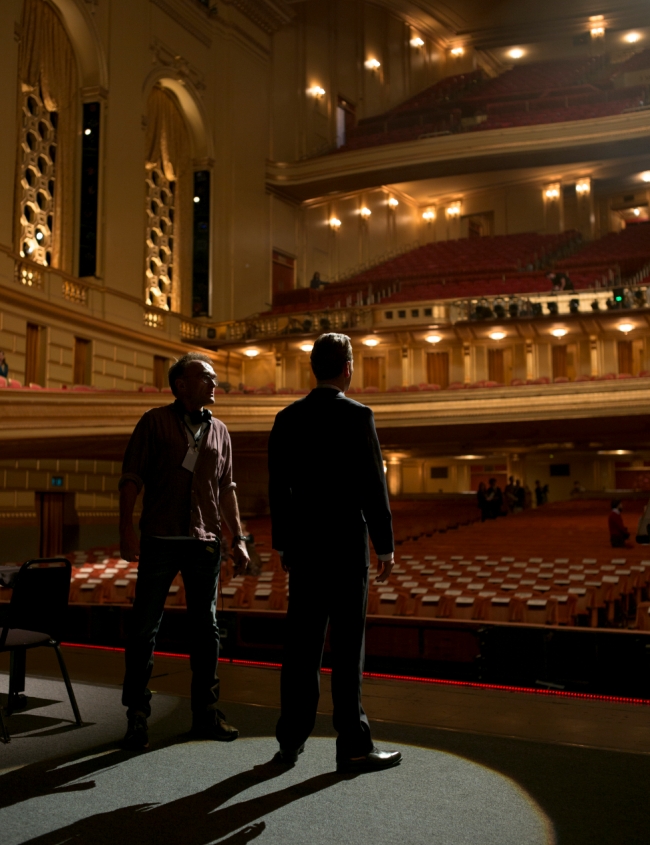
pixel 480 766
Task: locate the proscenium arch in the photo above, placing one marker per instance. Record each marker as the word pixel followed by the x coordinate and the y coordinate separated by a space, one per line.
pixel 190 105
pixel 79 25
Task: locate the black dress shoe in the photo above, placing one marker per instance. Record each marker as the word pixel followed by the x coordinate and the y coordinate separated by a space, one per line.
pixel 137 735
pixel 372 762
pixel 212 725
pixel 288 756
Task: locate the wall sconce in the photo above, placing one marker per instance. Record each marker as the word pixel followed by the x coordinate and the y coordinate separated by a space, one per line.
pixel 453 210
pixel 646 176
pixel 251 353
pixel 372 64
pixel 334 224
pixel 416 41
pixel 552 192
pixel 429 216
pixel 365 212
pixel 316 92
pixel 583 187
pixel 433 338
pixel 515 53
pixel 626 328
pixel 597 26
pixel 457 51
pixel 497 335
pixel 393 203
pixel 371 342
pixel 632 37
pixel 635 211
pixel 558 333
pixel 306 347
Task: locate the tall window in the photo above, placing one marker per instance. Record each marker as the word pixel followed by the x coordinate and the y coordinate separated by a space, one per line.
pixel 48 131
pixel 38 179
pixel 168 204
pixel 89 190
pixel 201 245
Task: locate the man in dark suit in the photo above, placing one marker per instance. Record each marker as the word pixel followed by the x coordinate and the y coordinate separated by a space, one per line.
pixel 327 491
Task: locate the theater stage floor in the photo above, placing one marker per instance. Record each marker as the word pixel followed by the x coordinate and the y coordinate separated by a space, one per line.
pixel 480 766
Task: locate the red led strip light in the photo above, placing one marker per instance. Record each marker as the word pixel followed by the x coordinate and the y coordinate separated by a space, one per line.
pixel 258 664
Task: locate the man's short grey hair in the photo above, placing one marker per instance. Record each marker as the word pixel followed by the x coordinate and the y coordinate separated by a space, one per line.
pixel 177 369
pixel 330 354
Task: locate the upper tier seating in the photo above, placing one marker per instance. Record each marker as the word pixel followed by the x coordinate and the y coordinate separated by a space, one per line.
pixel 526 95
pixel 628 249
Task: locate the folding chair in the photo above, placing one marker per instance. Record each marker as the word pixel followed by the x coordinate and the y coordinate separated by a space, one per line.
pixel 35 618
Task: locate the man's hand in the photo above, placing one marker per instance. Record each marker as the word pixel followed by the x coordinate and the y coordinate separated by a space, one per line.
pixel 384 568
pixel 240 557
pixel 129 545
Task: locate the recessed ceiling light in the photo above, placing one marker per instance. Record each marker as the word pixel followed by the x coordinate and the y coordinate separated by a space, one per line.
pixel 469 457
pixel 371 341
pixel 615 452
pixel 433 338
pixel 516 53
pixel 558 332
pixel 646 176
pixel 633 37
pixel 626 328
pixel 251 353
pixel 497 335
pixel 307 347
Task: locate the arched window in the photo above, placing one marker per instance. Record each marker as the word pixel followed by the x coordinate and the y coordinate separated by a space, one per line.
pixel 47 129
pixel 168 202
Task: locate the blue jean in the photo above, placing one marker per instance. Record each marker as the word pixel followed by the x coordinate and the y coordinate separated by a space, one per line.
pixel 160 562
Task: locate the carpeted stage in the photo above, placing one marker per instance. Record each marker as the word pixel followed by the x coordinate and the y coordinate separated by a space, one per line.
pixel 61 784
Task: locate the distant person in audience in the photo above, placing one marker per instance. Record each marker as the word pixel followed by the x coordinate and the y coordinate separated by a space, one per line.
pixel 481 501
pixel 510 494
pixel 520 497
pixel 327 493
pixel 643 528
pixel 182 457
pixel 618 533
pixel 316 282
pixel 539 494
pixel 494 499
pixel 577 489
pixel 4 366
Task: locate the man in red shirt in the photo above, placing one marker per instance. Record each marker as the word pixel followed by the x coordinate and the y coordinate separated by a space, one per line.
pixel 618 533
pixel 181 455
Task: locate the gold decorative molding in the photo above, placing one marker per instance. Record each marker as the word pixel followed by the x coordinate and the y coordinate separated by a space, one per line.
pixel 184 69
pixel 193 17
pixel 269 15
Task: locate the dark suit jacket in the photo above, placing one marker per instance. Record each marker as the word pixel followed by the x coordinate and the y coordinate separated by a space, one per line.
pixel 327 486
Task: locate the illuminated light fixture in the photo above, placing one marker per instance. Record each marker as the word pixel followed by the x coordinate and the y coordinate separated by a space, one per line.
pixel 417 42
pixel 371 341
pixel 597 31
pixel 433 338
pixel 469 457
pixel 615 452
pixel 393 203
pixel 453 210
pixel 636 212
pixel 429 216
pixel 334 223
pixel 365 212
pixel 197 199
pixel 372 64
pixel 251 353
pixel 516 53
pixel 632 37
pixel 552 192
pixel 497 335
pixel 316 92
pixel 626 328
pixel 457 51
pixel 558 332
pixel 646 176
pixel 39 236
pixel 306 347
pixel 583 187
pixel 87 131
pixel 385 467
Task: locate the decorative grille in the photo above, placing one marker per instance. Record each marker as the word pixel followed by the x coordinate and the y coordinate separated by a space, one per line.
pixel 160 239
pixel 38 178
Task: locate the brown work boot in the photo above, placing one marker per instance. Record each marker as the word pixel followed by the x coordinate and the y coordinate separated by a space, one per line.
pixel 212 725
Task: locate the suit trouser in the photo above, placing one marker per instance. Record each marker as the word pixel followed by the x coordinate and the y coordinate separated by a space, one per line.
pixel 315 599
pixel 160 561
